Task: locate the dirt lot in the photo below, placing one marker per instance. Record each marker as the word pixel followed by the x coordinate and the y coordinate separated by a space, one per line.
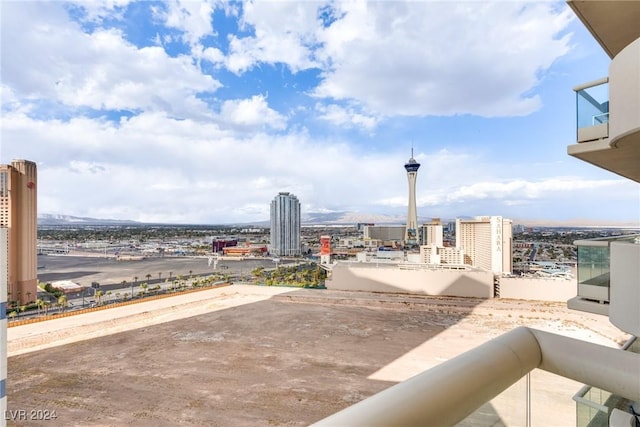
pixel 283 359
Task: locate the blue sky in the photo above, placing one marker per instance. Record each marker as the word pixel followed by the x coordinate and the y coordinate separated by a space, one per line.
pixel 201 112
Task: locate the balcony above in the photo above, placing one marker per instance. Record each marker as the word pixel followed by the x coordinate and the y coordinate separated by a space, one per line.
pixel 608 117
pixel 592 108
pixel 613 23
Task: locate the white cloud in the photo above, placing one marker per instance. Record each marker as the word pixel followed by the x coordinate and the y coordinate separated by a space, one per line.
pixel 97 10
pixel 412 58
pixel 347 117
pixel 519 191
pixel 193 18
pixel 155 168
pixel 253 112
pixel 478 58
pixel 52 59
pixel 284 33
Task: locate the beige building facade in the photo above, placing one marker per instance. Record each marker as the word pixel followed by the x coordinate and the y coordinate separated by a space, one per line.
pixel 432 254
pixel 486 242
pixel 432 233
pixel 18 214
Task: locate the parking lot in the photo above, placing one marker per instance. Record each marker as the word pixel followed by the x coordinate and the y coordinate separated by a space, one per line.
pixel 84 270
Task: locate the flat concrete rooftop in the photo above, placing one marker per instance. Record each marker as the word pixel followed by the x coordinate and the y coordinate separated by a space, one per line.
pixel 258 356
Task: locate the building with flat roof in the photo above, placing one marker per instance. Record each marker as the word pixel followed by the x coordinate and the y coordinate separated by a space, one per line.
pixel 432 254
pixel 486 242
pixel 432 233
pixel 285 225
pixel 385 233
pixel 19 215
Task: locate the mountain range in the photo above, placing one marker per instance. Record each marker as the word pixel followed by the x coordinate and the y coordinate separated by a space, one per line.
pixel 330 218
pixel 313 218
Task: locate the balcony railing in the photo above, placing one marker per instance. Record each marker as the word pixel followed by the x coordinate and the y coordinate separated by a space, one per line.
pixel 594 405
pixel 592 108
pixel 594 268
pixel 448 393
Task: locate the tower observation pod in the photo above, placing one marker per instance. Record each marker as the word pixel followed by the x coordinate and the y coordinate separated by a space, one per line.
pixel 411 232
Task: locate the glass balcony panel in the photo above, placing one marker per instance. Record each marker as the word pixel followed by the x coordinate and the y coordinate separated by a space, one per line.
pixel 592 107
pixel 593 265
pixel 509 408
pixel 591 407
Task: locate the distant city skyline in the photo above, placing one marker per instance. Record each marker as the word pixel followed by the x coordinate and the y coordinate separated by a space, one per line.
pixel 199 112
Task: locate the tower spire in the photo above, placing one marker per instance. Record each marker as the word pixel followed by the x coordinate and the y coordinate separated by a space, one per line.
pixel 411 230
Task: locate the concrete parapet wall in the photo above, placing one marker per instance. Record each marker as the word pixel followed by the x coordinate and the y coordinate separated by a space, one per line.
pixel 538 289
pixel 74 326
pixel 385 278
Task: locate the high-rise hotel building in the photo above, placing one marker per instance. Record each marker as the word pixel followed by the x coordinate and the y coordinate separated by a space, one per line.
pixel 486 242
pixel 18 214
pixel 285 225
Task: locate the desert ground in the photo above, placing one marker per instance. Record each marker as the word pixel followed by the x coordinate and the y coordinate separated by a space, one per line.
pixel 248 355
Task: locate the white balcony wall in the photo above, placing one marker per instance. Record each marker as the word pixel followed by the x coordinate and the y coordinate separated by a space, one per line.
pixel 624 93
pixel 624 309
pixel 593 133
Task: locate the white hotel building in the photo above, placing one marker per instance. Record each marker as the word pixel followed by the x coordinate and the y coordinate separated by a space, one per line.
pixel 486 242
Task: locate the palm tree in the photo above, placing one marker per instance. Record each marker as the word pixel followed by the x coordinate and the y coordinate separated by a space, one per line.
pixel 148 276
pixel 109 295
pixel 117 296
pixel 28 296
pixel 46 305
pixel 124 285
pixel 63 301
pixel 99 297
pixel 190 273
pixel 257 272
pixel 23 308
pixel 39 304
pixel 13 314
